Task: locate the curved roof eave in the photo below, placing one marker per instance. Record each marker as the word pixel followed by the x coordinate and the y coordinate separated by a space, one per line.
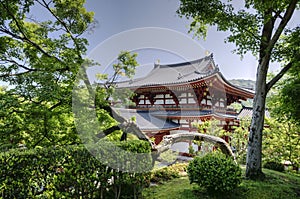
pixel 246 91
pixel 178 73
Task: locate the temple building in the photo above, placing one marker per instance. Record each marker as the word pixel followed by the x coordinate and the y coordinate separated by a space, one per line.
pixel 172 98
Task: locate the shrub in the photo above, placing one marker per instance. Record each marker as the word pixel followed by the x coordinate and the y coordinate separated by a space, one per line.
pixel 274 166
pixel 215 172
pixel 168 173
pixel 71 172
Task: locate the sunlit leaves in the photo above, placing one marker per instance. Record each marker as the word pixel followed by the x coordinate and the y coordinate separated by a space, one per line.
pixel 126 64
pixel 281 141
pixel 245 24
pixel 40 58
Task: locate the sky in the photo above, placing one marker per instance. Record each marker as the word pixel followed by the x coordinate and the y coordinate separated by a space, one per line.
pixel 126 23
pixel 154 30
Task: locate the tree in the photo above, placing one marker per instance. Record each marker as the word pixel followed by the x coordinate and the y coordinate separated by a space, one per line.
pixel 281 142
pixel 23 123
pixel 39 59
pixel 282 138
pixel 258 28
pixel 284 98
pixel 238 140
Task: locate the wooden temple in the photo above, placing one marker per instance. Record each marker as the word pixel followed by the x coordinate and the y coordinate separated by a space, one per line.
pixel 171 98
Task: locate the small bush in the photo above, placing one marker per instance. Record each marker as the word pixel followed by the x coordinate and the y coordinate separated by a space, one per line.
pixel 274 166
pixel 215 172
pixel 168 173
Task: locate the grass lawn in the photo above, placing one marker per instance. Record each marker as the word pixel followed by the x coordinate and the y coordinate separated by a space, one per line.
pixel 276 186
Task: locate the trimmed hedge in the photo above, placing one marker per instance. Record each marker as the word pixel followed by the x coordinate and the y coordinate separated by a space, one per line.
pixel 69 172
pixel 215 172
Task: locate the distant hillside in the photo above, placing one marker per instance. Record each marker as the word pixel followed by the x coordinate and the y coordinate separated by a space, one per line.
pixel 248 84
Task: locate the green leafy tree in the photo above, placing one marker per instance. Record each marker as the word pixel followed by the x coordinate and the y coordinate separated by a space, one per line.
pixel 281 142
pixel 263 28
pixel 210 127
pixel 25 123
pixel 39 59
pixel 238 140
pixel 282 139
pixel 106 92
pixel 284 98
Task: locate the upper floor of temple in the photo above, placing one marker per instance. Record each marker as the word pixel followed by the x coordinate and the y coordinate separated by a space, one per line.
pixel 187 85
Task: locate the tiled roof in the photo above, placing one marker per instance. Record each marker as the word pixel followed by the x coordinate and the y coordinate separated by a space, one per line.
pixel 145 120
pixel 175 73
pixel 246 112
pixel 153 119
pixel 182 113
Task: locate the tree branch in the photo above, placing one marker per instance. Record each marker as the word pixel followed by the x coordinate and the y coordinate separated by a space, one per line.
pixel 55 105
pixel 13 74
pixel 278 76
pixel 67 30
pixel 169 140
pixel 24 38
pixel 285 19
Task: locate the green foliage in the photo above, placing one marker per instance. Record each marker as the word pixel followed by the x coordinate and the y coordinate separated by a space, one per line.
pixel 284 98
pixel 30 124
pixel 126 64
pixel 225 17
pixel 211 127
pixel 281 142
pixel 39 59
pixel 263 28
pixel 69 172
pixel 215 172
pixel 136 146
pixel 167 173
pixel 274 166
pixel 239 140
pixel 191 150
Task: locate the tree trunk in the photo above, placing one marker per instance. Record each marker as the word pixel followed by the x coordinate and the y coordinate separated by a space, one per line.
pixel 169 140
pixel 254 150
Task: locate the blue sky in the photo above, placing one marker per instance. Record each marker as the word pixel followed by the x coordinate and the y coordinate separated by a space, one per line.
pixel 120 23
pixel 116 16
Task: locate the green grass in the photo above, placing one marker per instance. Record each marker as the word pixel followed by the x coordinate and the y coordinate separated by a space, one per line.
pixel 276 186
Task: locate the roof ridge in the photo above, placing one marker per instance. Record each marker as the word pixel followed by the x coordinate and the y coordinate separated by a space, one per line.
pixel 186 62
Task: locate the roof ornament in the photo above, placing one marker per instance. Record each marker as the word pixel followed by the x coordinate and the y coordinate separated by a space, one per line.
pixel 217 69
pixel 207 52
pixel 179 76
pixel 157 63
